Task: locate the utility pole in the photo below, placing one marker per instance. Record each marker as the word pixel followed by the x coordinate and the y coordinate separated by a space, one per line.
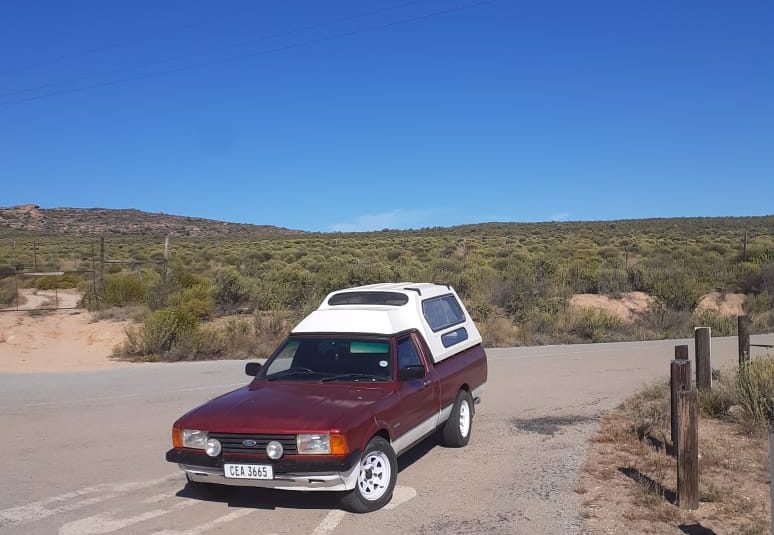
pixel 15 278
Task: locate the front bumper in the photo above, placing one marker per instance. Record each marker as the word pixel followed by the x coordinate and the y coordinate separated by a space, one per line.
pixel 330 475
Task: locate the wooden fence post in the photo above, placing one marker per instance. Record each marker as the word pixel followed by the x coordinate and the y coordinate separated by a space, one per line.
pixel 743 323
pixel 687 451
pixel 703 339
pixel 681 352
pixel 771 477
pixel 680 379
pixel 101 289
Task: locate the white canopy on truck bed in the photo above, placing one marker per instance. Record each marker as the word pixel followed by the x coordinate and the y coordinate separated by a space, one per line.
pixel 434 310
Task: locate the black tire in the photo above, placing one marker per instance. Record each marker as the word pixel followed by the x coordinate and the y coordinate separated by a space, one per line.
pixel 452 434
pixel 207 490
pixel 356 500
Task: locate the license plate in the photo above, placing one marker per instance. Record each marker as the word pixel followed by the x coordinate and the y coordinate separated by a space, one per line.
pixel 248 471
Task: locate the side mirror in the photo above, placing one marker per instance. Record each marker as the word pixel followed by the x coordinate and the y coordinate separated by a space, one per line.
pixel 252 368
pixel 408 373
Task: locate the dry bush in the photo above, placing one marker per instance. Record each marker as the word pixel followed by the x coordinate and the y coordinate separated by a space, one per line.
pixel 500 332
pixel 723 395
pixel 133 313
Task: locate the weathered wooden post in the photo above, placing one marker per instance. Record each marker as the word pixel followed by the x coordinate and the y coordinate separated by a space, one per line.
pixel 680 379
pixel 743 325
pixel 703 339
pixel 687 451
pixel 771 476
pixel 101 289
pixel 166 259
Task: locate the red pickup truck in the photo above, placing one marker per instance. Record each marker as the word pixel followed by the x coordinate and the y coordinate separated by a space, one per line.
pixel 363 378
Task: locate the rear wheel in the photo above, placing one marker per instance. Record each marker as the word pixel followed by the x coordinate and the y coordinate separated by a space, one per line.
pixel 456 430
pixel 377 474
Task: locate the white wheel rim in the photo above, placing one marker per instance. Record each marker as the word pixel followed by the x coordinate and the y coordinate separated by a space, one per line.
pixel 464 418
pixel 375 473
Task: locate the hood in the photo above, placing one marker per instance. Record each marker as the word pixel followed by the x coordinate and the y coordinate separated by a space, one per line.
pixel 280 407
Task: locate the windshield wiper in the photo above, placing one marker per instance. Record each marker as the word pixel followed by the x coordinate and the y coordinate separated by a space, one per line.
pixel 352 376
pixel 291 371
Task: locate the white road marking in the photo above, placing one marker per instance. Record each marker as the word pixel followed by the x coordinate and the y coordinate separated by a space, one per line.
pixel 332 520
pixel 400 496
pixel 48 507
pixel 329 523
pixel 201 529
pixel 123 396
pixel 103 523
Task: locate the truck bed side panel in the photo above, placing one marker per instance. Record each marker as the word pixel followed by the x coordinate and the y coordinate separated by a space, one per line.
pixel 468 367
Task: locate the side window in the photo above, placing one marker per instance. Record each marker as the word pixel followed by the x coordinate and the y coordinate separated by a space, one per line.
pixel 408 354
pixel 454 337
pixel 442 312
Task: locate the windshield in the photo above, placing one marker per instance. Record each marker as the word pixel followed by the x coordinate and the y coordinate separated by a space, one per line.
pixel 329 359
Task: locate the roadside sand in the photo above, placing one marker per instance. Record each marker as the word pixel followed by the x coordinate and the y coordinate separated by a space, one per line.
pixel 728 304
pixel 626 308
pixel 61 340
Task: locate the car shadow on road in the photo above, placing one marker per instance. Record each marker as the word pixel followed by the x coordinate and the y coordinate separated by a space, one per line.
pixel 417 452
pixel 257 498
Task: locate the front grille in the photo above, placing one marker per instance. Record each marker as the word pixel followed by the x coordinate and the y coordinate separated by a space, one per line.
pixel 233 442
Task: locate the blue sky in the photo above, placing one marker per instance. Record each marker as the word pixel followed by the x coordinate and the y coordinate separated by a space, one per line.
pixel 358 115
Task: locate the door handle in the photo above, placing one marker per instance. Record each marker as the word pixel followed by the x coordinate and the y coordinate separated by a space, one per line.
pixel 425 384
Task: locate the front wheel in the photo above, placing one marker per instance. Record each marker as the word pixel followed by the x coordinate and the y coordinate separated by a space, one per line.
pixel 456 430
pixel 378 472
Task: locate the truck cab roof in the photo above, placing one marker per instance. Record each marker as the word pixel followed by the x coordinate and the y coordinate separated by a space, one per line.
pixel 435 310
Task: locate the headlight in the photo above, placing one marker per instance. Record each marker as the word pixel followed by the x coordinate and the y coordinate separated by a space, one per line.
pixel 319 444
pixel 213 447
pixel 194 439
pixel 274 449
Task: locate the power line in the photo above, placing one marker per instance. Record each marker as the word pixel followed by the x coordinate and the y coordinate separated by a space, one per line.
pixel 207 51
pixel 121 44
pixel 253 54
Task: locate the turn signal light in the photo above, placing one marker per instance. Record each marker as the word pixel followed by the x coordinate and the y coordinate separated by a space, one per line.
pixel 177 437
pixel 339 444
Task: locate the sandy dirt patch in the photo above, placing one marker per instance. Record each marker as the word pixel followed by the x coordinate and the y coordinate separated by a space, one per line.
pixel 56 341
pixel 626 307
pixel 724 304
pixel 32 299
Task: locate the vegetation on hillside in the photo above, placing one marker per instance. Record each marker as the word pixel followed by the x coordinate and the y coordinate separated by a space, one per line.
pixel 516 279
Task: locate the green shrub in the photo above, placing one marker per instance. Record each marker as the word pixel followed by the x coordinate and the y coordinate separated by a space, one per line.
pixel 197 300
pixel 720 325
pixel 755 386
pixel 677 290
pixel 232 290
pixel 758 303
pixel 593 325
pixel 7 292
pixel 721 397
pixel 161 331
pixel 124 289
pixel 50 282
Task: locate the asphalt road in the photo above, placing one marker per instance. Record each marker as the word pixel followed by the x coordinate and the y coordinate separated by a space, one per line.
pixel 83 453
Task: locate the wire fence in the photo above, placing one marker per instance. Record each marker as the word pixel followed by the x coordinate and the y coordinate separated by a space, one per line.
pixel 30 280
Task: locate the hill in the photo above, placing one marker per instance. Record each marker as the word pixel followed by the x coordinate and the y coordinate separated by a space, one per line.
pixel 32 219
